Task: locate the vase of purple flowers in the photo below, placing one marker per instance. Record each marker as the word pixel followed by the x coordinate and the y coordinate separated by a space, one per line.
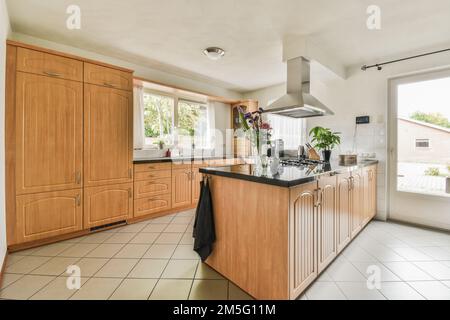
pixel 258 132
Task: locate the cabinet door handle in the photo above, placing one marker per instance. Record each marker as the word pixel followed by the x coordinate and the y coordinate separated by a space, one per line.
pixel 318 196
pixel 107 84
pixel 52 74
pixel 130 173
pixel 129 193
pixel 78 177
pixel 78 200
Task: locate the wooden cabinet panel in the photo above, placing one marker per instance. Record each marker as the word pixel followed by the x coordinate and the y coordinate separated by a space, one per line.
pixel 152 205
pixel 44 215
pixel 326 222
pixel 107 204
pixel 149 167
pixel 145 189
pixel 370 191
pixel 303 241
pixel 357 210
pixel 107 77
pixel 156 174
pixel 49 134
pixel 108 136
pixel 51 65
pixel 343 211
pixel 181 188
pixel 196 179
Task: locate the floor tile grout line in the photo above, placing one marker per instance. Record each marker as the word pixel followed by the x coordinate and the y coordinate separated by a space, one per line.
pixel 83 257
pixel 56 277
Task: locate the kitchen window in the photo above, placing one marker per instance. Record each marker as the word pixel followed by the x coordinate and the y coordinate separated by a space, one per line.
pixel 175 121
pixel 158 117
pixel 193 124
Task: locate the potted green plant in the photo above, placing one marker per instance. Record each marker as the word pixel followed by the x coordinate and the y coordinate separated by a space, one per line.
pixel 325 140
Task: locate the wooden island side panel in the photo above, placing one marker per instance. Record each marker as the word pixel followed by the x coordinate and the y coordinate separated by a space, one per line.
pixel 251 249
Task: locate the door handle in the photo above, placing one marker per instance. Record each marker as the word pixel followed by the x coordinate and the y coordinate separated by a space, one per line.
pixel 52 74
pixel 129 193
pixel 78 177
pixel 107 84
pixel 319 197
pixel 78 200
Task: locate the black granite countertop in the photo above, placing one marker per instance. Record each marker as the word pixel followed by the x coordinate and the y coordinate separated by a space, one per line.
pixel 287 176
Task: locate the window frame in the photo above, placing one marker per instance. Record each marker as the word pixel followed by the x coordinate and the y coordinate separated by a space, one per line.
pixel 175 114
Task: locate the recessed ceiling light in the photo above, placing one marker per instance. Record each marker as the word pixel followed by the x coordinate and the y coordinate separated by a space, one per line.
pixel 214 53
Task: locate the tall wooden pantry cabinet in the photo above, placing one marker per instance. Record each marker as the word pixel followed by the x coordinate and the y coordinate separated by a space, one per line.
pixel 69 144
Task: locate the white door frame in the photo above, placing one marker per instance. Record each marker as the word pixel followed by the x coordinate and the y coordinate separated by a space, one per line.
pixel 436 204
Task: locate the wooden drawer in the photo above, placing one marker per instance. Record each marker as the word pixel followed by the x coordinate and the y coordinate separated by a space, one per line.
pixel 147 167
pixel 107 77
pixel 49 214
pixel 152 205
pixel 51 65
pixel 157 174
pixel 150 188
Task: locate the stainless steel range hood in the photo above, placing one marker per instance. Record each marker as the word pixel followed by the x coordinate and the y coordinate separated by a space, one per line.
pixel 298 102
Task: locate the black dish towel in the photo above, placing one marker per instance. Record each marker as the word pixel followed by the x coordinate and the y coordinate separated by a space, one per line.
pixel 204 231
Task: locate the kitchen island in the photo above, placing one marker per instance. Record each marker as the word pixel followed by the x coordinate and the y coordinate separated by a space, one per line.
pixel 277 233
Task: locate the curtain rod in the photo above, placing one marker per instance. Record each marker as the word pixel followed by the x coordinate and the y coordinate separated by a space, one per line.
pixel 379 65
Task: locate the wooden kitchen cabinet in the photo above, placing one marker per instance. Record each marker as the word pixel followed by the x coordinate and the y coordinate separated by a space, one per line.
pixel 49 214
pixel 107 204
pixel 49 134
pixel 303 236
pixel 152 205
pixel 107 77
pixel 42 63
pixel 150 188
pixel 181 187
pixel 370 193
pixel 108 136
pixel 196 179
pixel 326 221
pixel 343 209
pixel 356 196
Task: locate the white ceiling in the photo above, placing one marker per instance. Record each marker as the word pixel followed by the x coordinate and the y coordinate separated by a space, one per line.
pixel 170 34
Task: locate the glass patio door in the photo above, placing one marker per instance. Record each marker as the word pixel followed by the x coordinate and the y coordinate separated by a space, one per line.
pixel 419 152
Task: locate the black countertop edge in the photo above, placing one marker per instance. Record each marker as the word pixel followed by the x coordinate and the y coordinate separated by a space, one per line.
pixel 221 171
pixel 165 159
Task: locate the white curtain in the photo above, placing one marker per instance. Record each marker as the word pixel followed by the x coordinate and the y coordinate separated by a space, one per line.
pixel 138 114
pixel 291 130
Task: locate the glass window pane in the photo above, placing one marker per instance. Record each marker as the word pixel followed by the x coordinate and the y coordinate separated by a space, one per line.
pixel 158 111
pixel 423 145
pixel 192 124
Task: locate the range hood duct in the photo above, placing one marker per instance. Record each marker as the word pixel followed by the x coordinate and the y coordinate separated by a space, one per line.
pixel 298 102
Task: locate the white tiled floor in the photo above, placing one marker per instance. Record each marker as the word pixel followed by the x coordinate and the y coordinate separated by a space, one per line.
pixel 414 264
pixel 154 260
pixel 148 260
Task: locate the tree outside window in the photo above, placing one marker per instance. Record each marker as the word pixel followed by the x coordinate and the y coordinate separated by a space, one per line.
pixel 158 111
pixel 159 121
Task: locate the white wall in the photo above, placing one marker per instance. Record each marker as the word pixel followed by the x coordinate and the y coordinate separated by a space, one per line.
pixel 363 93
pixel 4 32
pixel 139 71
